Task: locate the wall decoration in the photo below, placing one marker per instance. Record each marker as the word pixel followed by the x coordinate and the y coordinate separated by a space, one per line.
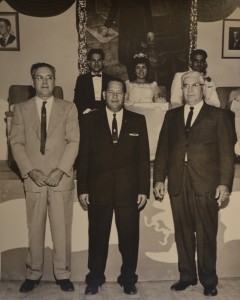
pixel 9 31
pixel 231 38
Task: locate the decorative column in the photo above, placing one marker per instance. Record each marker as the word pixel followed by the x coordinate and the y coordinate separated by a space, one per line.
pixel 82 39
pixel 193 28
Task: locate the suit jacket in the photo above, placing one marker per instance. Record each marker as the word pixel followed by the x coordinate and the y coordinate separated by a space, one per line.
pixel 84 92
pixel 209 149
pixel 11 39
pixel 61 144
pixel 113 174
pixel 211 96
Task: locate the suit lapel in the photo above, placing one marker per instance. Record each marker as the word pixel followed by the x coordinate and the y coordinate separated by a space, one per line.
pixel 201 115
pixel 56 116
pixel 124 126
pixel 32 115
pixel 89 84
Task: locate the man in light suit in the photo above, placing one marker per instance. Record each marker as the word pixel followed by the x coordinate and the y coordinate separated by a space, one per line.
pixel 197 63
pixel 89 87
pixel 195 153
pixel 113 175
pixel 44 138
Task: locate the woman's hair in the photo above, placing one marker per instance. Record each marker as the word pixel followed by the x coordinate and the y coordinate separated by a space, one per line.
pixel 141 58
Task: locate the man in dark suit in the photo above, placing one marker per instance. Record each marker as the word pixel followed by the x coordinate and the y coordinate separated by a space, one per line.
pixel 195 152
pixel 113 175
pixel 5 28
pixel 89 87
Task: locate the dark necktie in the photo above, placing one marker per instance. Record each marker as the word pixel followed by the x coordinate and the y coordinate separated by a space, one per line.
pixel 43 127
pixel 189 120
pixel 114 130
pixel 3 42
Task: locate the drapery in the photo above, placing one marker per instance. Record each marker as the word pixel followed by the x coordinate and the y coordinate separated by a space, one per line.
pixel 40 8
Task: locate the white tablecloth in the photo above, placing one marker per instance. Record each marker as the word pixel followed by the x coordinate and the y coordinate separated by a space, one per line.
pixel 154 114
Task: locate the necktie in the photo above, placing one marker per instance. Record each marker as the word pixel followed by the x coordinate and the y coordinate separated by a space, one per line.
pixel 114 130
pixel 3 42
pixel 43 127
pixel 189 120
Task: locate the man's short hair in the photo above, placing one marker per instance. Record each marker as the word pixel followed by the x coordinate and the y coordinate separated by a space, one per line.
pixel 118 80
pixel 96 51
pixel 36 66
pixel 6 21
pixel 198 52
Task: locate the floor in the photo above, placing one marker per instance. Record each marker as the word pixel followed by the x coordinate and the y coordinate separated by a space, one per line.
pixel 229 289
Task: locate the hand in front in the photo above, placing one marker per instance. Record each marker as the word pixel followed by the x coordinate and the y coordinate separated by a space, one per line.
pixel 222 194
pixel 54 177
pixel 84 201
pixel 38 177
pixel 142 199
pixel 159 190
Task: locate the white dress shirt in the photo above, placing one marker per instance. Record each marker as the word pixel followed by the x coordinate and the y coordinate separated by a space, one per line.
pixel 119 118
pixel 48 106
pixel 196 111
pixel 197 108
pixel 97 85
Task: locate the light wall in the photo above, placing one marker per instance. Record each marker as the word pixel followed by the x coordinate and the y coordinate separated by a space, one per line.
pixel 225 71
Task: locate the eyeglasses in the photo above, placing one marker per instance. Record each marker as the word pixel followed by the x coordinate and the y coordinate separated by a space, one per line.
pixel 41 78
pixel 192 86
pixel 115 93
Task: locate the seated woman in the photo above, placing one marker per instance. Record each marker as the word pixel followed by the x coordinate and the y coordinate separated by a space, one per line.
pixel 142 89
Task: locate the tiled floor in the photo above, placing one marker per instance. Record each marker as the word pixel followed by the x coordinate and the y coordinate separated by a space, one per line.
pixel 229 289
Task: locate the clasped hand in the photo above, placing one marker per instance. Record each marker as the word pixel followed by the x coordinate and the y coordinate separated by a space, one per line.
pixel 41 179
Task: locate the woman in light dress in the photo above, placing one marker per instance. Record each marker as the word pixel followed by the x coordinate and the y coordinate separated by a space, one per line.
pixel 142 89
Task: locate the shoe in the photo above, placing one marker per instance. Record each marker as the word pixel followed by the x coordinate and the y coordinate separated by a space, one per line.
pixel 182 285
pixel 91 289
pixel 28 285
pixel 66 285
pixel 210 290
pixel 130 289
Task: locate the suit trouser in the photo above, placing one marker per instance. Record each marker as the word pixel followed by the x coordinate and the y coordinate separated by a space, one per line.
pixel 59 207
pixel 127 224
pixel 195 221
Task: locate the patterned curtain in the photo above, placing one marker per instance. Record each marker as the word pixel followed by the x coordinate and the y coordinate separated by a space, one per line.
pixel 193 27
pixel 42 8
pixel 82 39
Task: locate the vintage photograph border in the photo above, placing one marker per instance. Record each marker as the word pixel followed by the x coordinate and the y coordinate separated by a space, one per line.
pixel 228 24
pixel 14 19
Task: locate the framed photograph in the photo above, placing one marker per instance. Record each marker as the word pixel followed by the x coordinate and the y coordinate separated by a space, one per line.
pixel 9 31
pixel 231 38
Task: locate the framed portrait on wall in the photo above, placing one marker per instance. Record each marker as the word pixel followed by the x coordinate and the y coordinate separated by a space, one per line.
pixel 231 38
pixel 9 31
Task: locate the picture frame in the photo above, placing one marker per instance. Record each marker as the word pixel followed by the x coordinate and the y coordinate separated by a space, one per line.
pixel 9 31
pixel 231 38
